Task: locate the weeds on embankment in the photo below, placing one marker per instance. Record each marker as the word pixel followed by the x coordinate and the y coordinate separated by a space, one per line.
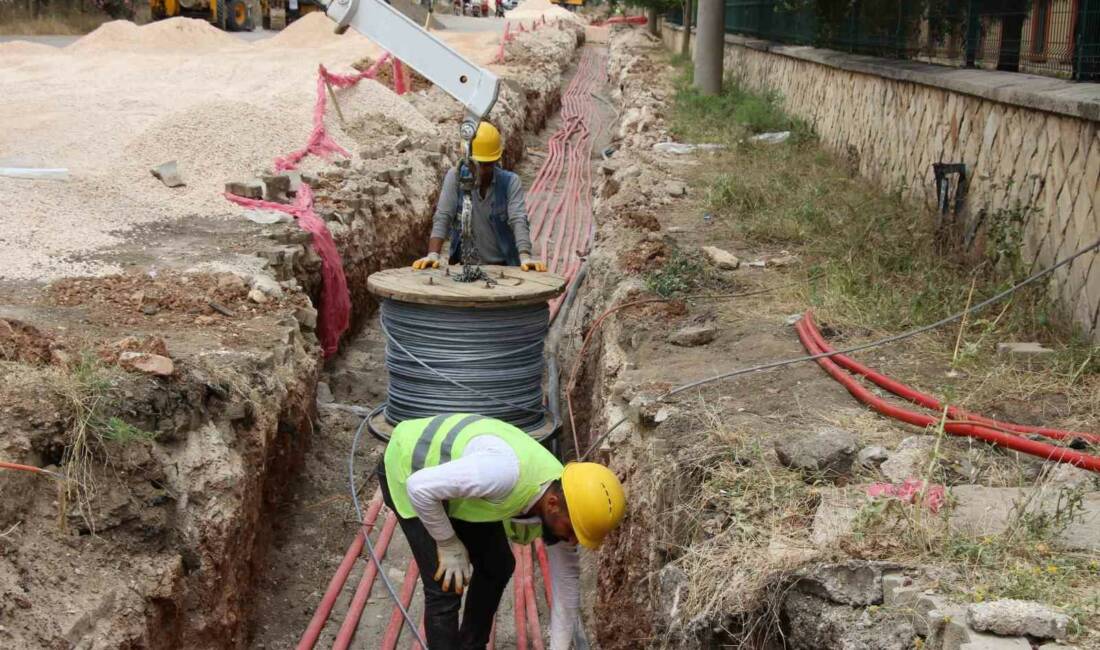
pixel 872 255
pixel 89 390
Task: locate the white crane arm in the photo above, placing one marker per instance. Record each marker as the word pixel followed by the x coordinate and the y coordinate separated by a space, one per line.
pixel 474 87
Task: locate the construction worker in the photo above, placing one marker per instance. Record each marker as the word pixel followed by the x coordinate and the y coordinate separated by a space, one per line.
pixel 462 487
pixel 499 223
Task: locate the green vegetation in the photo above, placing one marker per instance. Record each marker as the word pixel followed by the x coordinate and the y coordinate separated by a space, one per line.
pixel 728 116
pixel 89 389
pixel 877 260
pixel 682 273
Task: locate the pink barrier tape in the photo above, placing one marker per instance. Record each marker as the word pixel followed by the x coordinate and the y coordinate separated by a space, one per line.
pixel 911 491
pixel 335 313
pixel 399 83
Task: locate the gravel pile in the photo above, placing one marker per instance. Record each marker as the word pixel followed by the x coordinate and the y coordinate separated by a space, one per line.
pixel 122 100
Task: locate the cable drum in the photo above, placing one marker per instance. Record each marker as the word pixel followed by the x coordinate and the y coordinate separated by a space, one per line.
pixel 444 359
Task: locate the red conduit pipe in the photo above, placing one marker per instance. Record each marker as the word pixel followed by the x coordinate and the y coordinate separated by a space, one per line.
pixel 573 217
pixel 1008 440
pixel 533 627
pixel 519 601
pixel 397 620
pixel 928 401
pixel 28 468
pixel 320 617
pixel 362 593
pixel 544 566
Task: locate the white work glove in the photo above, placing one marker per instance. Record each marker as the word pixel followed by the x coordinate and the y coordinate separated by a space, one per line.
pixel 429 262
pixel 528 263
pixel 454 565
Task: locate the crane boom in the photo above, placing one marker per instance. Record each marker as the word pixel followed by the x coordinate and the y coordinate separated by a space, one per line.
pixel 473 86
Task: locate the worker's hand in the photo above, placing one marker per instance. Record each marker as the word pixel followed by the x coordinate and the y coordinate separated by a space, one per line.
pixel 429 262
pixel 454 565
pixel 528 263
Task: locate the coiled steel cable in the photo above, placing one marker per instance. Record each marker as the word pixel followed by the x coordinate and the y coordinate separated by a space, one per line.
pixel 455 360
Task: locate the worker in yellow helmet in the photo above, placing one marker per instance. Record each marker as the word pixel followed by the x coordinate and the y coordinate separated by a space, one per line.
pixel 501 232
pixel 463 486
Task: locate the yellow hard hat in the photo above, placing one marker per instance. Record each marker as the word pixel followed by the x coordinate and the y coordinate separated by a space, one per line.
pixel 487 145
pixel 595 501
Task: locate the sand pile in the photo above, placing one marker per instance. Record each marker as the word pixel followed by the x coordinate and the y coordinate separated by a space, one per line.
pixel 312 30
pixel 535 9
pixel 25 48
pixel 172 34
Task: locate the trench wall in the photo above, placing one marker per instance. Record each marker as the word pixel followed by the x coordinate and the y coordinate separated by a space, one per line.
pixel 1030 145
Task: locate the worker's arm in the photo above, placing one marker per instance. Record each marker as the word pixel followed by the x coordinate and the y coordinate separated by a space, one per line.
pixel 521 226
pixel 488 469
pixel 565 574
pixel 442 221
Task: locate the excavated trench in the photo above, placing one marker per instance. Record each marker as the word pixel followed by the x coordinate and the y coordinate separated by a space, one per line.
pixel 193 472
pixel 316 523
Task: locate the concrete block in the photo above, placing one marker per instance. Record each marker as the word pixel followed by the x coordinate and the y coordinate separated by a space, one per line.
pixel 694 335
pixel 1028 350
pixel 989 642
pixel 1018 618
pixel 253 189
pixel 276 188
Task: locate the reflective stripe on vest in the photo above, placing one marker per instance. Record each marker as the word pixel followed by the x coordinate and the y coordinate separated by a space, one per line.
pixel 420 453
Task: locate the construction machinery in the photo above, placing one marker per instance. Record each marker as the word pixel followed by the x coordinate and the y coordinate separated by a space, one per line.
pixel 237 15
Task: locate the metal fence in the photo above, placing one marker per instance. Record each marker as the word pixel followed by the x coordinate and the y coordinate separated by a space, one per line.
pixel 1059 38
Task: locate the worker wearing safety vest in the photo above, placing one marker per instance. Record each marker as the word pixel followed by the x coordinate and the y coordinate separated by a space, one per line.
pixel 499 223
pixel 462 487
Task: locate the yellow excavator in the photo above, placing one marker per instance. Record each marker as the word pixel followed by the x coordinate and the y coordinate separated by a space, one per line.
pixel 237 15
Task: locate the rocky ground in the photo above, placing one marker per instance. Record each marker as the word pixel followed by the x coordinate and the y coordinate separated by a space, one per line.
pixel 750 522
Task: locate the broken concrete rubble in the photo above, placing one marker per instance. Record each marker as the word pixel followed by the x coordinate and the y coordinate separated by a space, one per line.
pixel 857 583
pixel 153 364
pixel 694 335
pixel 253 189
pixel 1018 618
pixel 724 260
pixel 828 451
pixel 909 459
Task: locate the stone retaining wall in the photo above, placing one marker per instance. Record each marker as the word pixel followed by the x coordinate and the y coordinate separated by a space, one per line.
pixel 1030 144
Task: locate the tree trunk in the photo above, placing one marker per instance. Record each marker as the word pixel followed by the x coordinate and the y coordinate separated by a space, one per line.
pixel 685 44
pixel 710 46
pixel 651 20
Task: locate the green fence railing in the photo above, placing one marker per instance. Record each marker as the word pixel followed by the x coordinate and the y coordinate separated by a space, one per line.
pixel 1059 38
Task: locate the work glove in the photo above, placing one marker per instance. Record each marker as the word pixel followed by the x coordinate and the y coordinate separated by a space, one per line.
pixel 528 263
pixel 454 565
pixel 429 262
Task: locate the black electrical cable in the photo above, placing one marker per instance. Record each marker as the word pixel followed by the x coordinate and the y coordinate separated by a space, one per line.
pixel 453 360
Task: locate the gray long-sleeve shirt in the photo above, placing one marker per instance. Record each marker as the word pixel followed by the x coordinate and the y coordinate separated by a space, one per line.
pixel 486 239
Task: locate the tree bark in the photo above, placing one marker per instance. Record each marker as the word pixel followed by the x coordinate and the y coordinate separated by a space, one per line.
pixel 651 20
pixel 710 46
pixel 685 44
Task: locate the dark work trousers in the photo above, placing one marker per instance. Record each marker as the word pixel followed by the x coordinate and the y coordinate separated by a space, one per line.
pixel 491 556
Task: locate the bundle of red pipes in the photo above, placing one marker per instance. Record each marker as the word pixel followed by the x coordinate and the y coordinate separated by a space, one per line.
pixel 560 209
pixel 956 421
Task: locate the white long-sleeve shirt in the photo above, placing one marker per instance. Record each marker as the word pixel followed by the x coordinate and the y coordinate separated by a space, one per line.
pixel 489 469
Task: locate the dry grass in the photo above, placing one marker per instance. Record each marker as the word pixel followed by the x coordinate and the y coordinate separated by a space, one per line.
pixel 876 271
pixel 740 534
pixel 55 23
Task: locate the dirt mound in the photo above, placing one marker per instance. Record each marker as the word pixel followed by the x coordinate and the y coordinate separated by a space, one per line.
pixel 171 34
